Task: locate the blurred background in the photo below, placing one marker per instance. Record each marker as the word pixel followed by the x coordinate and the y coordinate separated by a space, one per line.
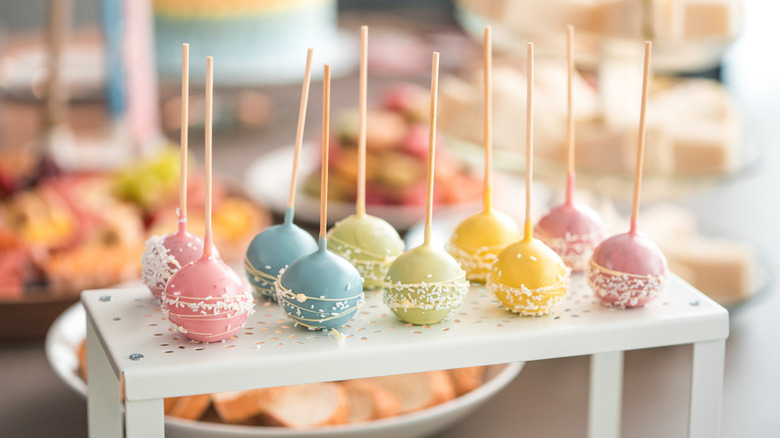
pixel 90 110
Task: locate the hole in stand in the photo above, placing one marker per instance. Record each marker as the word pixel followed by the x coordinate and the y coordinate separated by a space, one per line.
pixel 199 349
pixel 116 318
pixel 168 351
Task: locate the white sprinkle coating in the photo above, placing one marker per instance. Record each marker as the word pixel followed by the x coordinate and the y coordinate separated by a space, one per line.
pixel 158 264
pixel 531 302
pixel 429 296
pixel 475 261
pixel 620 289
pixel 575 249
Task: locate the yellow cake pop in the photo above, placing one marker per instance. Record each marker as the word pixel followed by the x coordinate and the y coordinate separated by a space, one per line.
pixel 528 277
pixel 478 240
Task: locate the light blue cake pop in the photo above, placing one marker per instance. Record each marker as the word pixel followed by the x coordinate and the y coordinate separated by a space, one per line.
pixel 280 245
pixel 274 249
pixel 321 290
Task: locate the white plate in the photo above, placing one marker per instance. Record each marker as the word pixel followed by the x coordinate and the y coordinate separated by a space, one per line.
pixel 69 330
pixel 267 181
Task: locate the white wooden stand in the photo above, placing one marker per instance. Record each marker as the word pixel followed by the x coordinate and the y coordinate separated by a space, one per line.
pixel 128 337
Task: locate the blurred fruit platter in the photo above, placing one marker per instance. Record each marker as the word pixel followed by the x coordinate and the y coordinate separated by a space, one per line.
pixel 396 161
pixel 61 233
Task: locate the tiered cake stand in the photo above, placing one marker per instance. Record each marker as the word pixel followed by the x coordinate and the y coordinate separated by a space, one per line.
pixel 127 337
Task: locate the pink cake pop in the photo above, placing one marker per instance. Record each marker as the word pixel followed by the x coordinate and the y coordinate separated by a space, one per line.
pixel 164 255
pixel 572 230
pixel 206 300
pixel 628 270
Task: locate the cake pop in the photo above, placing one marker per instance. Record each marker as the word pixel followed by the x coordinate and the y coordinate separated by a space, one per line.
pixel 478 239
pixel 426 285
pixel 164 255
pixel 528 277
pixel 206 300
pixel 278 246
pixel 321 291
pixel 368 242
pixel 629 270
pixel 572 230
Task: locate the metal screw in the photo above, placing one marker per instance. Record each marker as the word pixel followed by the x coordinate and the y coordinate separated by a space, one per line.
pixel 695 303
pixel 105 298
pixel 136 356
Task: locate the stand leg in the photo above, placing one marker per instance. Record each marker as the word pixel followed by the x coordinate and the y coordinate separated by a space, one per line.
pixel 606 387
pixel 104 407
pixel 145 419
pixel 706 389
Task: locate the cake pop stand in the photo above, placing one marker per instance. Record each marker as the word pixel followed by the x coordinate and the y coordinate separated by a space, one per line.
pixel 127 337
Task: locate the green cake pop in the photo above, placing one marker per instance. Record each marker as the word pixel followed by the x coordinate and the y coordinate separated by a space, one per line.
pixel 426 285
pixel 368 242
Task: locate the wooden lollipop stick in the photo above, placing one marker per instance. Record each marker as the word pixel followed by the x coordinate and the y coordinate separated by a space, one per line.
pixel 325 135
pixel 431 147
pixel 301 123
pixel 570 114
pixel 529 141
pixel 185 116
pixel 360 206
pixel 640 153
pixel 488 114
pixel 207 240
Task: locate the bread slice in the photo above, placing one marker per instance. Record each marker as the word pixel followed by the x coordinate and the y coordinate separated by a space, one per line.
pixel 240 406
pixel 169 403
pixel 369 401
pixel 190 407
pixel 418 391
pixel 465 380
pixel 307 406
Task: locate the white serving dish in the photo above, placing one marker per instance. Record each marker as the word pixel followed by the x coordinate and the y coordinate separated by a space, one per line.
pixel 69 330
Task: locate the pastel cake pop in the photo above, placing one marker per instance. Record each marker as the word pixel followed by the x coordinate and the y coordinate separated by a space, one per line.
pixel 321 290
pixel 629 270
pixel 478 239
pixel 206 300
pixel 368 242
pixel 278 246
pixel 164 255
pixel 572 230
pixel 426 285
pixel 528 277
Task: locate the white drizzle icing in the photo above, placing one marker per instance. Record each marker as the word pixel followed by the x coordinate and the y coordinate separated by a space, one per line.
pixel 371 266
pixel 325 309
pixel 206 309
